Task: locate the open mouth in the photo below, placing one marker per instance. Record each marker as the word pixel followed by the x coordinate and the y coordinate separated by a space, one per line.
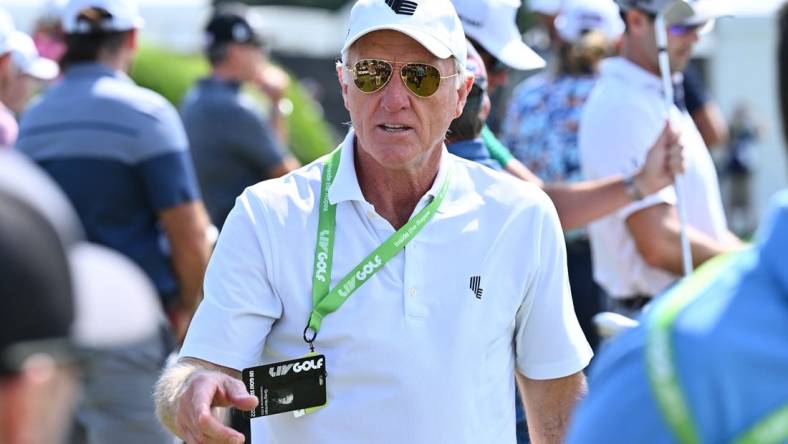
pixel 394 128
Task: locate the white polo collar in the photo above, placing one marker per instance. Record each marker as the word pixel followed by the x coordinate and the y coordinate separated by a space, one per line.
pixel 634 74
pixel 346 188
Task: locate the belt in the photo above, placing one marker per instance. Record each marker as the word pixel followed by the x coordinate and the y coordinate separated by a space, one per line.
pixel 635 302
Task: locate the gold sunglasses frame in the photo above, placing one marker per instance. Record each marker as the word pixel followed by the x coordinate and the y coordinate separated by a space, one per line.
pixel 352 70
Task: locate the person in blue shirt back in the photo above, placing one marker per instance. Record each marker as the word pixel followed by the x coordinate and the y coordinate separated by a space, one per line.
pixel 726 330
pixel 120 154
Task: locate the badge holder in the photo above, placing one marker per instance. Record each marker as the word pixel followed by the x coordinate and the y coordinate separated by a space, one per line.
pixel 297 386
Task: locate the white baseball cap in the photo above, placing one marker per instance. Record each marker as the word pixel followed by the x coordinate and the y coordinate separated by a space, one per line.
pixel 124 16
pixel 580 16
pixel 26 58
pixel 432 23
pixel 549 7
pixel 6 29
pixel 492 24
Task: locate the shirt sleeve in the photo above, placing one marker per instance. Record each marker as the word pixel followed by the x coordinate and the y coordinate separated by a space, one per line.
pixel 609 147
pixel 255 141
pixel 165 167
pixel 548 340
pixel 240 305
pixel 497 150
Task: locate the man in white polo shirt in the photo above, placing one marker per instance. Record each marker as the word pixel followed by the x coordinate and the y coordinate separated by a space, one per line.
pixel 636 251
pixel 424 282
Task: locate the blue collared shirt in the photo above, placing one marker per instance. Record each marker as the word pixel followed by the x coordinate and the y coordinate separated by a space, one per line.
pixel 473 150
pixel 232 144
pixel 731 354
pixel 120 154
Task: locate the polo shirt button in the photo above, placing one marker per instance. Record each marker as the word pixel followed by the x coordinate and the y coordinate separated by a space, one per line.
pixel 412 292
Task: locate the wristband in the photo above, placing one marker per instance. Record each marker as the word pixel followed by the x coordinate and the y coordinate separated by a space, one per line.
pixel 631 188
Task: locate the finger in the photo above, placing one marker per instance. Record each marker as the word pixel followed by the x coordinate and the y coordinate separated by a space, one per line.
pixel 211 430
pixel 237 396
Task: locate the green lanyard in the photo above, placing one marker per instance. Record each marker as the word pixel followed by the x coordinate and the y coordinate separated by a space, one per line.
pixel 324 301
pixel 662 372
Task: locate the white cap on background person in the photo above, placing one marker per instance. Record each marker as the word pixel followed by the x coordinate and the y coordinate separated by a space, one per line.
pixel 432 23
pixel 580 16
pixel 492 24
pixel 123 15
pixel 25 56
pixel 546 7
pixel 6 29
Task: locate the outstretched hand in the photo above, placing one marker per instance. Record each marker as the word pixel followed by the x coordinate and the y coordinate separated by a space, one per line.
pixel 205 390
pixel 664 160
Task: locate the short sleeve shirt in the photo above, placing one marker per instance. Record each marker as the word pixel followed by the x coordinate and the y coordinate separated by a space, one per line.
pixel 415 354
pixel 730 354
pixel 542 123
pixel 622 119
pixel 9 128
pixel 120 154
pixel 233 146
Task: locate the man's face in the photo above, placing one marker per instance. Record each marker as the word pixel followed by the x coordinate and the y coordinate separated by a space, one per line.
pixel 642 37
pixel 393 126
pixel 18 91
pixel 497 71
pixel 247 59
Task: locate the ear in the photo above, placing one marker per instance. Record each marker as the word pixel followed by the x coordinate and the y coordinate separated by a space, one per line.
pixel 343 86
pixel 462 95
pixel 484 112
pixel 131 40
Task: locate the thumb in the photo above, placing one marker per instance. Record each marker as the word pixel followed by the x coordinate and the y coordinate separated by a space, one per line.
pixel 237 396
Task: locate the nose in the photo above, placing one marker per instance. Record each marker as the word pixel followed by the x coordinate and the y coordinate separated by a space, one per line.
pixel 395 95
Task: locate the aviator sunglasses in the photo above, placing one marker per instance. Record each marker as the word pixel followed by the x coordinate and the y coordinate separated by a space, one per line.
pixel 422 79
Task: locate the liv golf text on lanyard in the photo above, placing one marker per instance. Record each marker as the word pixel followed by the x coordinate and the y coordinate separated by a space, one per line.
pixel 299 385
pixel 324 301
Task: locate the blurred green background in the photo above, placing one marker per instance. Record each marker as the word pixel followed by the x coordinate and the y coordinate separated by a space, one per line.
pixel 310 137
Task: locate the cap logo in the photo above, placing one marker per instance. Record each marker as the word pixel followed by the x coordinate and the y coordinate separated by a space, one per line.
pixel 402 7
pixel 240 33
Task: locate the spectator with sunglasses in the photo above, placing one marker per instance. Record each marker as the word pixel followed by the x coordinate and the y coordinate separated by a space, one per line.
pixel 463 287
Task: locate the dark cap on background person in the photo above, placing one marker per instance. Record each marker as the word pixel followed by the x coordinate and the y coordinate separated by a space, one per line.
pixel 35 284
pixel 679 11
pixel 230 27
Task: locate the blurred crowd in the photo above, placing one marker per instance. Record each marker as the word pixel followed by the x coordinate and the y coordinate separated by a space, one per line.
pixel 111 198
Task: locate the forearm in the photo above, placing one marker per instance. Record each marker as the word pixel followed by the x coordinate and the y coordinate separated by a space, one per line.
pixel 583 202
pixel 549 405
pixel 703 248
pixel 187 232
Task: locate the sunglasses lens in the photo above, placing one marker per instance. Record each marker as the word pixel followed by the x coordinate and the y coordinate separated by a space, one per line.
pixel 422 79
pixel 371 75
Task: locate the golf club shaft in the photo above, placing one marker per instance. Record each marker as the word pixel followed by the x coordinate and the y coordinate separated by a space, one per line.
pixel 667 88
